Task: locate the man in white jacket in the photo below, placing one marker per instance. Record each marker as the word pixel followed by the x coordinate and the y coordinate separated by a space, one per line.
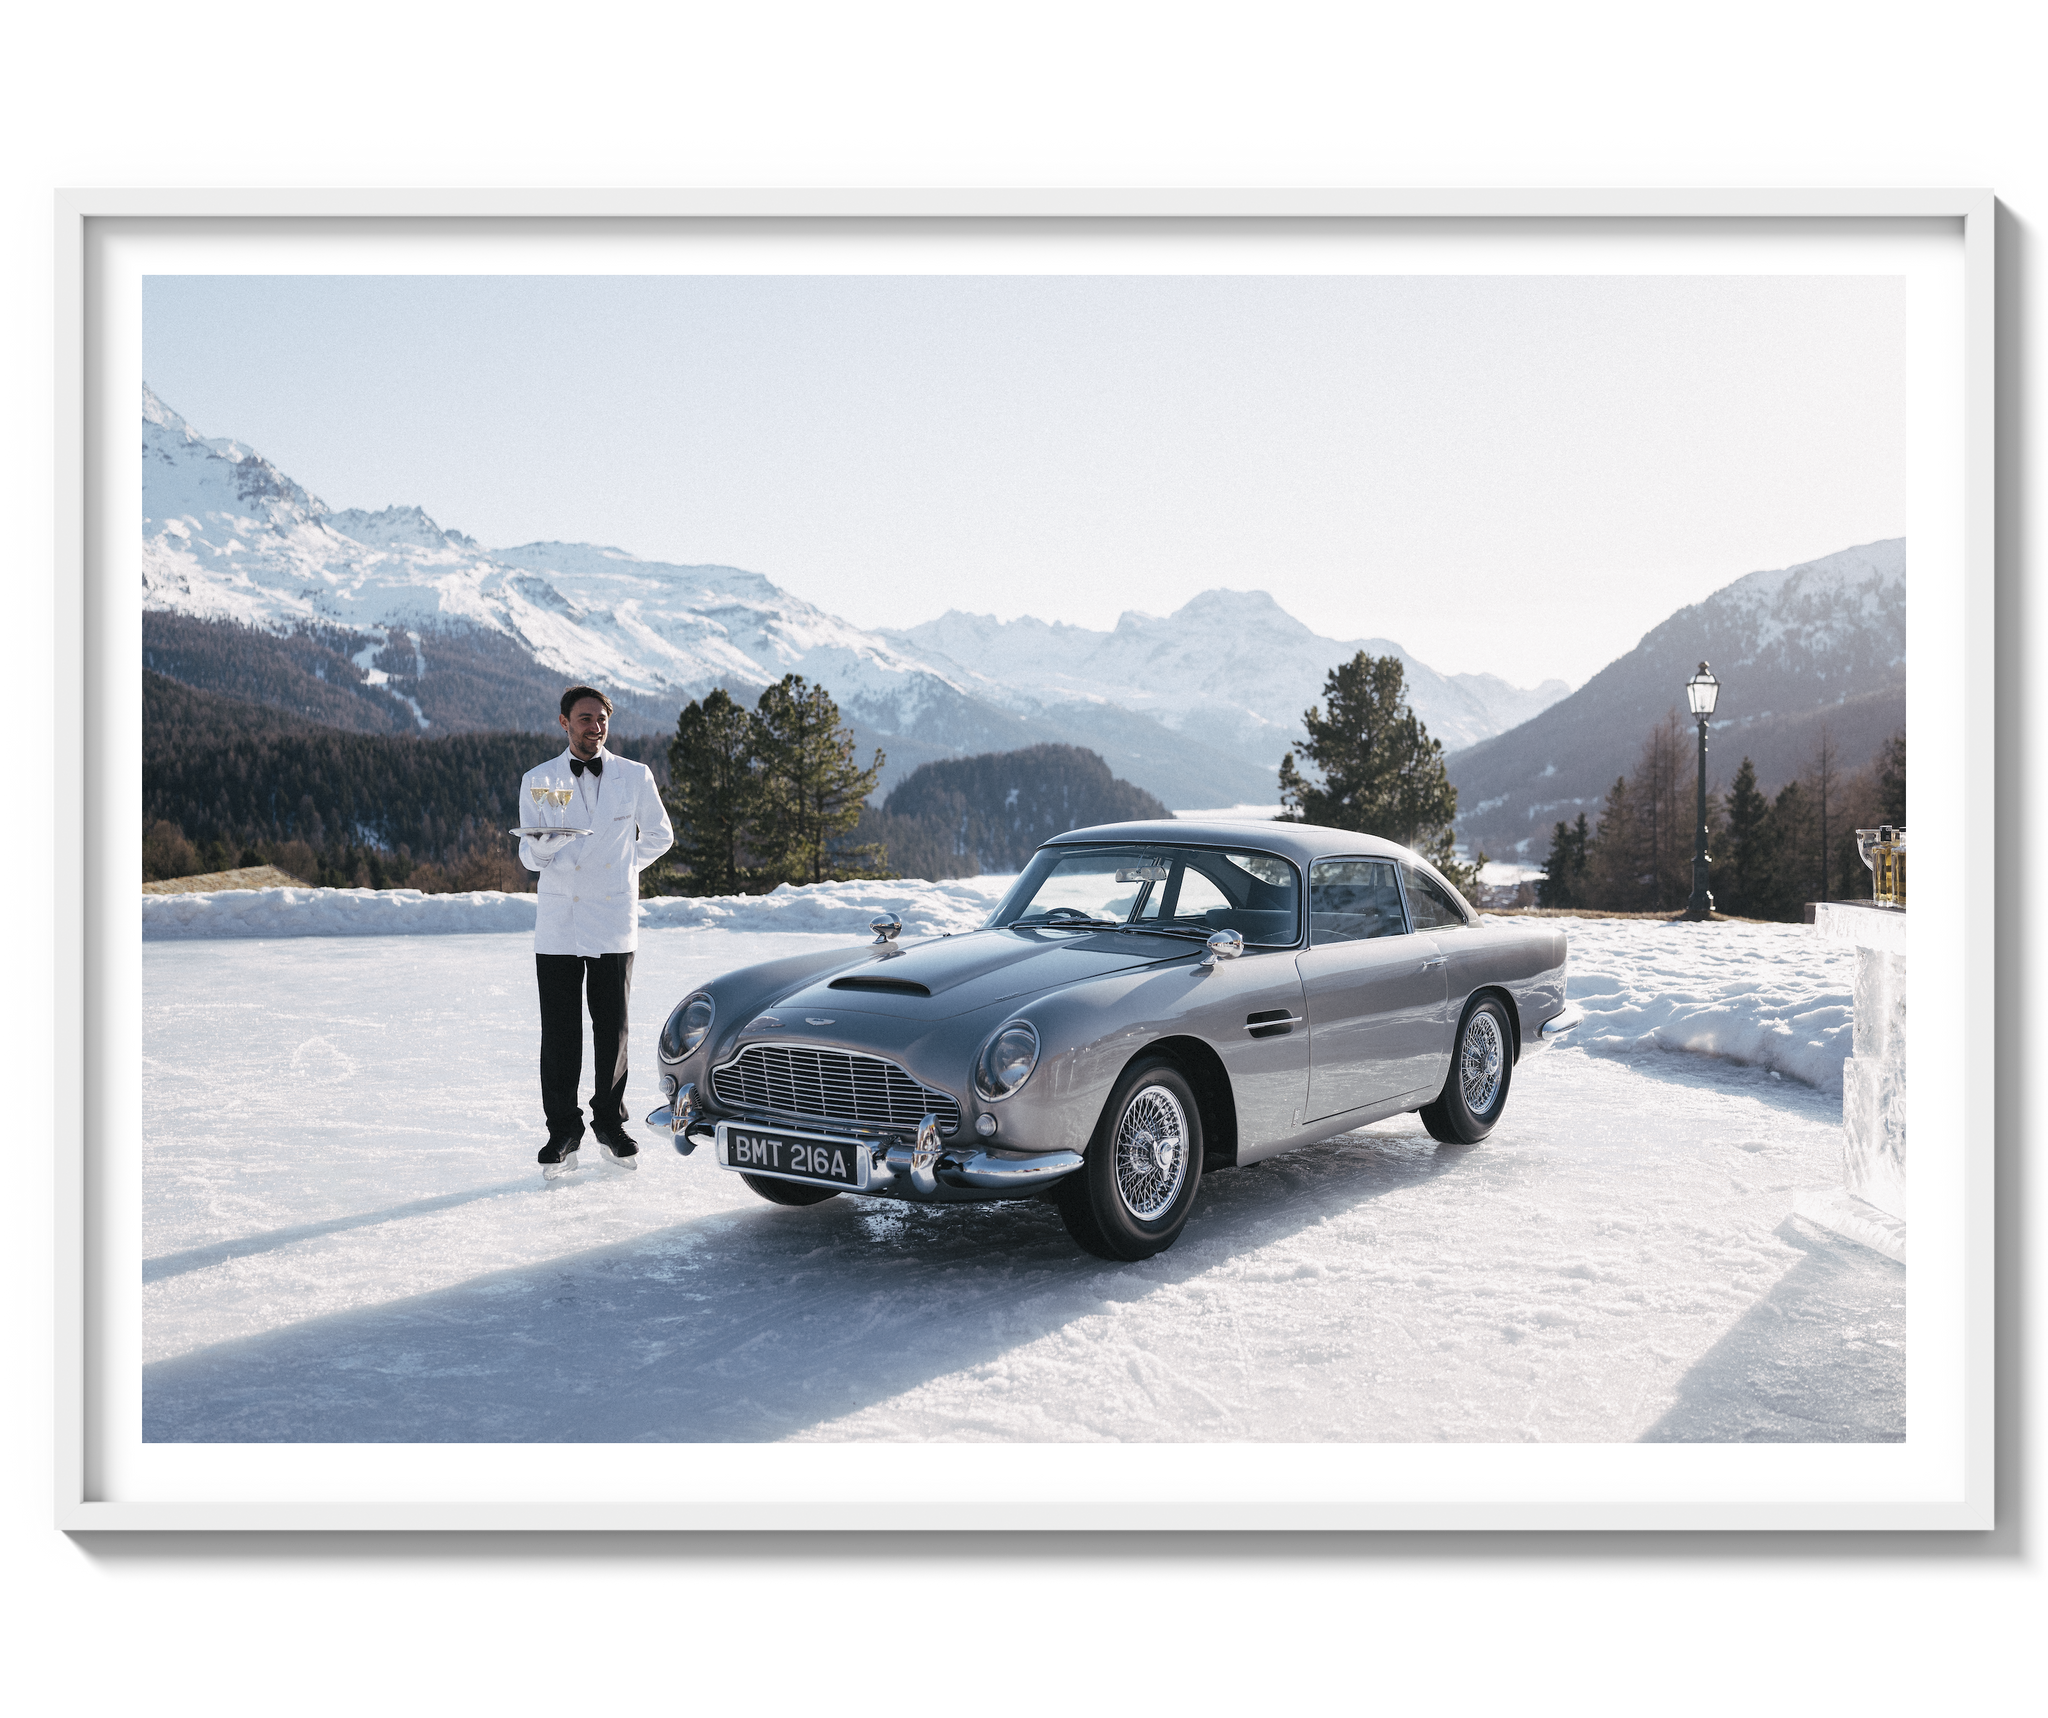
pixel 588 924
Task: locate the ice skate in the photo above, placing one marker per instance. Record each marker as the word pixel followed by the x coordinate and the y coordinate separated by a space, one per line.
pixel 618 1148
pixel 558 1158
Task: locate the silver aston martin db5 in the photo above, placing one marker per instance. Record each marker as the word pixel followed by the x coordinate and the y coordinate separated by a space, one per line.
pixel 1149 1000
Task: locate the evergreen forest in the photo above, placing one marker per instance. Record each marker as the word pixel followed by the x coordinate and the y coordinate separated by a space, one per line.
pixel 758 796
pixel 1769 854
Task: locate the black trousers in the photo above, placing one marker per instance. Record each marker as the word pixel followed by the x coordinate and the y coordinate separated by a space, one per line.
pixel 563 979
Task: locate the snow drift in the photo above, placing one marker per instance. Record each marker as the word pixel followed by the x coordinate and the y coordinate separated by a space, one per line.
pixel 1773 996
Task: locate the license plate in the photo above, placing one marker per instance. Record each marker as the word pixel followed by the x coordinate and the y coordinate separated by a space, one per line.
pixel 814 1157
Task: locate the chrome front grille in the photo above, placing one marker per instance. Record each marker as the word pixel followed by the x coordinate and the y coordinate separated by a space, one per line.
pixel 799 1083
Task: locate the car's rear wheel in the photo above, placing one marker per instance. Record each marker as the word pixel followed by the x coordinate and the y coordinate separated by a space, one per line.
pixel 1132 1194
pixel 787 1192
pixel 1476 1089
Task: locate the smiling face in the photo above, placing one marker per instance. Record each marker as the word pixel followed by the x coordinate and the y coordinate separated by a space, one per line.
pixel 585 725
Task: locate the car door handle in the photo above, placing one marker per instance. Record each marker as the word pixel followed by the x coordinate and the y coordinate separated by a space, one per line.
pixel 1272 1023
pixel 1434 960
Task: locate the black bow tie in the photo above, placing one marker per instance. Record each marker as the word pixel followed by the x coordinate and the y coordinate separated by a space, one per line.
pixel 596 765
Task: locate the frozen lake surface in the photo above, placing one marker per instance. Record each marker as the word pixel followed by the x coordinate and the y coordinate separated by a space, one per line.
pixel 346 1240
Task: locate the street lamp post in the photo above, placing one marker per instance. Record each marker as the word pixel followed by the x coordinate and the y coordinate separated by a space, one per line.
pixel 1700 692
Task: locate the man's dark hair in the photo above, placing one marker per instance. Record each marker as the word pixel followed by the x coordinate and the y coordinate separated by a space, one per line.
pixel 576 694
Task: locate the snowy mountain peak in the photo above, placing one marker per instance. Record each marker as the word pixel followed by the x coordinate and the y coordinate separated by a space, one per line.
pixel 1231 667
pixel 1235 608
pixel 396 526
pixel 174 428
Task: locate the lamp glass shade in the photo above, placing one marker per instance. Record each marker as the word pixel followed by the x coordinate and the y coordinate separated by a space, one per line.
pixel 1701 691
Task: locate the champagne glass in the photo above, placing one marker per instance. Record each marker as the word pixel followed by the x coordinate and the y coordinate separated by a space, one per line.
pixel 539 792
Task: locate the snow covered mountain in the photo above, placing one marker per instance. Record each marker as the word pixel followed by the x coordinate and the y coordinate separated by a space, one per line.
pixel 226 535
pixel 1197 707
pixel 1795 647
pixel 1232 668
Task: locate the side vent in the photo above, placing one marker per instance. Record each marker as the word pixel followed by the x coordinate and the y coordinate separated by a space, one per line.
pixel 1271 1023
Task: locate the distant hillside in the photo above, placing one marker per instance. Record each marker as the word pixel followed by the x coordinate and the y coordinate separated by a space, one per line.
pixel 437 680
pixel 228 770
pixel 342 805
pixel 991 813
pixel 1792 648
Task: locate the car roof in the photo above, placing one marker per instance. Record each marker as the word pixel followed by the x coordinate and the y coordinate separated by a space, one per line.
pixel 1297 841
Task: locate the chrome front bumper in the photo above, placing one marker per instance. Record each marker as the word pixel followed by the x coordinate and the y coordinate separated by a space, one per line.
pixel 922 1167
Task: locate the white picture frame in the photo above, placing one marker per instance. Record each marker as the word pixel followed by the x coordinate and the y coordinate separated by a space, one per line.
pixel 105 238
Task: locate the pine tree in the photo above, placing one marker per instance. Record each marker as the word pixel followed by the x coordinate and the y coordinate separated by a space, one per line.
pixel 1381 773
pixel 1614 859
pixel 715 795
pixel 1564 872
pixel 1891 781
pixel 1822 781
pixel 1788 855
pixel 1740 883
pixel 812 785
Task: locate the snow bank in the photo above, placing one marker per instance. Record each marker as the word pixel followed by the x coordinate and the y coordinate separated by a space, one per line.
pixel 1774 996
pixel 925 908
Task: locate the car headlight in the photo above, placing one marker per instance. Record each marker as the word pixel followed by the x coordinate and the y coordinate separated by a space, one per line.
pixel 1007 1060
pixel 687 1027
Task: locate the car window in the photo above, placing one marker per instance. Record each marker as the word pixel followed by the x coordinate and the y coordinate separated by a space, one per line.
pixel 1351 900
pixel 1184 890
pixel 1100 883
pixel 1198 895
pixel 1434 909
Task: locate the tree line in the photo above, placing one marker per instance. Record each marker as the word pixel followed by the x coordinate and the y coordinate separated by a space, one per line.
pixel 759 796
pixel 1771 854
pixel 228 782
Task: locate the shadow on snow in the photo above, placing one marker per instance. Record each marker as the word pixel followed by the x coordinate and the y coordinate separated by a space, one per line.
pixel 243 1246
pixel 1820 1359
pixel 739 1326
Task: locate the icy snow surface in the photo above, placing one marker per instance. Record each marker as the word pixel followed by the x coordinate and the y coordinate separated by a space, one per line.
pixel 345 1237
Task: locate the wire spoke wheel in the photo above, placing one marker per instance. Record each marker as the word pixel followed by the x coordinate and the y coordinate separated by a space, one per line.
pixel 1151 1152
pixel 1481 1057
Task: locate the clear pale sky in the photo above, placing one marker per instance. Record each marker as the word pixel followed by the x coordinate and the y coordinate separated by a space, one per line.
pixel 1516 475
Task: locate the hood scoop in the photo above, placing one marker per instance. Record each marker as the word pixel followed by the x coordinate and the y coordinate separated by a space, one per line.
pixel 888 986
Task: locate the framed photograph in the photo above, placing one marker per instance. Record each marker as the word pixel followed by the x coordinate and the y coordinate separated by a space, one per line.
pixel 1148 514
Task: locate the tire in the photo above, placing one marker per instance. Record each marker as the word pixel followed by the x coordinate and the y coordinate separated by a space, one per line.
pixel 788 1192
pixel 1132 1194
pixel 1482 1066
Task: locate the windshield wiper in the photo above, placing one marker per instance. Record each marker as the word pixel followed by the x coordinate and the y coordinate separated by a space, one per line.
pixel 1067 916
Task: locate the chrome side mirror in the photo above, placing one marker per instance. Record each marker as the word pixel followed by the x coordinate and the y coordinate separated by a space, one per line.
pixel 887 927
pixel 1223 945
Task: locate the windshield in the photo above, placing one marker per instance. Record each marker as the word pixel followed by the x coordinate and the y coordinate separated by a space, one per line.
pixel 1176 891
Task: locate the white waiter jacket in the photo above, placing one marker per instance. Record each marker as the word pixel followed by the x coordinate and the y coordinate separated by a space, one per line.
pixel 590 889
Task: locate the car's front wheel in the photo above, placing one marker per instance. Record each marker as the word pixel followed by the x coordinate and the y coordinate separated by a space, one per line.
pixel 1131 1196
pixel 788 1192
pixel 1476 1089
